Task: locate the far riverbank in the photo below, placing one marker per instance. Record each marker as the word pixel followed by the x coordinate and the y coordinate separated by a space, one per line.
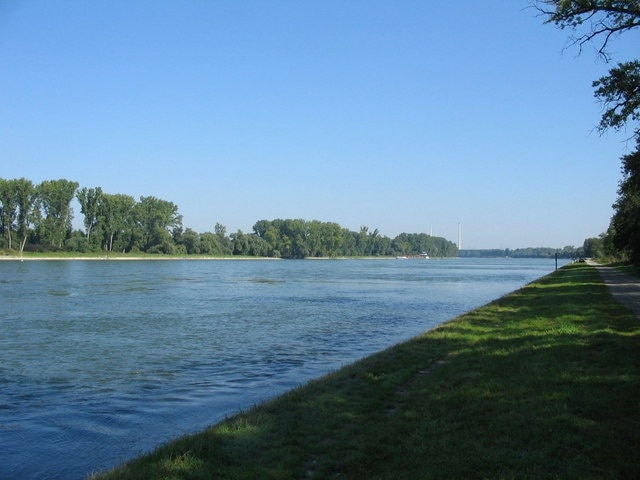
pixel 94 257
pixel 125 257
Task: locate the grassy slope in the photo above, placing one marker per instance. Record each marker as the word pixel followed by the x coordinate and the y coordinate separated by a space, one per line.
pixel 542 383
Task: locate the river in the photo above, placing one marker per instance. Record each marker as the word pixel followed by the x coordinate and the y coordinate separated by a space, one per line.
pixel 103 360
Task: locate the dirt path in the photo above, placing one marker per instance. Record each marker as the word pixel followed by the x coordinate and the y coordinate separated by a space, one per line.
pixel 625 288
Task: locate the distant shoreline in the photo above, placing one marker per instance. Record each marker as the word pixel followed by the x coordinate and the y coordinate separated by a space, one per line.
pixel 28 258
pixel 47 257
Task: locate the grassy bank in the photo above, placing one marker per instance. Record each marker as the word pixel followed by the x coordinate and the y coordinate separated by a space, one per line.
pixel 542 383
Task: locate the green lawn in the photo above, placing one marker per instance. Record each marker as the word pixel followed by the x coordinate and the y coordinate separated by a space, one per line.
pixel 542 383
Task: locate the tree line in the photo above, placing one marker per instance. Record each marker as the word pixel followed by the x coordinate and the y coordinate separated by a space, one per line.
pixel 569 251
pixel 39 218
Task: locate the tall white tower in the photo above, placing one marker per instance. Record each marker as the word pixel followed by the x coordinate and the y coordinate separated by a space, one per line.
pixel 459 236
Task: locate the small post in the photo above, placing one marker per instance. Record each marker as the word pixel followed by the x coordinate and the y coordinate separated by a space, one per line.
pixel 556 261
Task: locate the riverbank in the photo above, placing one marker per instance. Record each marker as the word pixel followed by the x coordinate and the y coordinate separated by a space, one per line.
pixel 157 256
pixel 123 257
pixel 154 256
pixel 542 383
pixel 160 257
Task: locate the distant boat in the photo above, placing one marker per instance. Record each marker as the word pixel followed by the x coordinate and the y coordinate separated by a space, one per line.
pixel 425 256
pixel 401 258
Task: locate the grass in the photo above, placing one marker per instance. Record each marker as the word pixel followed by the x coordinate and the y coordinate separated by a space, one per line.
pixel 542 383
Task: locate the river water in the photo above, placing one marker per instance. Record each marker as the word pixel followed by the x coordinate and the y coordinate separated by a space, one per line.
pixel 103 360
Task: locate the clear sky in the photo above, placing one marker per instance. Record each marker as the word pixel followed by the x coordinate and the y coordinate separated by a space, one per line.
pixel 406 116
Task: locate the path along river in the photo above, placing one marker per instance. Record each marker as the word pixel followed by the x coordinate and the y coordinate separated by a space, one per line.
pixel 625 288
pixel 103 360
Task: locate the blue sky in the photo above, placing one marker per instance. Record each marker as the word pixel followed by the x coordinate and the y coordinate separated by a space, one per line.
pixel 406 116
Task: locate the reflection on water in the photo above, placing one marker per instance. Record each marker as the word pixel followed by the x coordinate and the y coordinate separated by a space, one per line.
pixel 100 361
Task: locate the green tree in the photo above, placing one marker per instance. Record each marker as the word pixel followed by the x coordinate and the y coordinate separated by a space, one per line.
pixel 316 239
pixel 209 244
pixel 378 245
pixel 626 218
pixel 54 201
pixel 190 240
pixel 17 197
pixel 257 246
pixel 362 241
pixel 270 232
pixel 349 243
pixel 26 196
pixel 333 238
pixel 155 218
pixel 260 227
pixel 593 248
pixel 369 243
pixel 223 241
pixel 117 218
pixel 323 239
pixel 620 94
pixel 240 243
pixel 417 243
pixel 90 200
pixel 402 244
pixel 8 209
pixel 296 231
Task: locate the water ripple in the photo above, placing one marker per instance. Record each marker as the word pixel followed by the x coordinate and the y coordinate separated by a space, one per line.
pixel 108 359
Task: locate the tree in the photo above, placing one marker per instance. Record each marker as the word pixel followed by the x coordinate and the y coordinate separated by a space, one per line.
pixel 117 219
pixel 593 248
pixel 604 19
pixel 260 227
pixel 8 208
pixel 270 234
pixel 209 244
pixel 248 244
pixel 155 217
pixel 620 94
pixel 190 240
pixel 381 245
pixel 240 243
pixel 54 200
pixel 224 243
pixel 349 242
pixel 625 222
pixel 362 240
pixel 26 195
pixel 90 200
pixel 17 209
pixel 323 239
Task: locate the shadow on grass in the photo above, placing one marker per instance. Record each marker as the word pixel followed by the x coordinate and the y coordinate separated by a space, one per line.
pixel 542 383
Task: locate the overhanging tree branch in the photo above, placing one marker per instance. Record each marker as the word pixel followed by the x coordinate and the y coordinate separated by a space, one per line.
pixel 603 18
